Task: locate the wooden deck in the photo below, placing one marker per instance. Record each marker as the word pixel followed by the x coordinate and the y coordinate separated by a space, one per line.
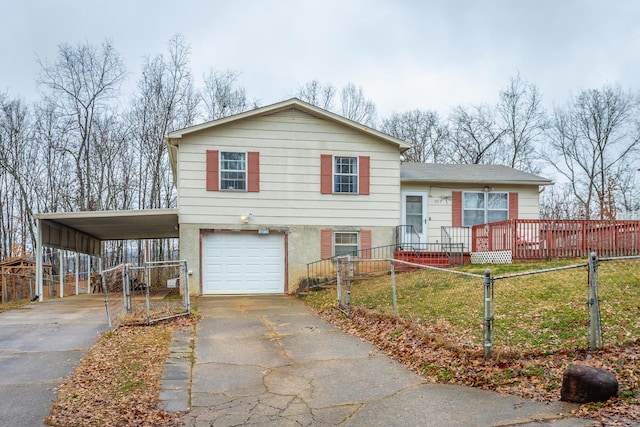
pixel 554 239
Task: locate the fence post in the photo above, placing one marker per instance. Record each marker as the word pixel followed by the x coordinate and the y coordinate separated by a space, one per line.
pixel 126 288
pixel 186 298
pixel 488 314
pixel 339 280
pixel 147 271
pixel 393 288
pixel 593 303
pixel 348 285
pixel 106 300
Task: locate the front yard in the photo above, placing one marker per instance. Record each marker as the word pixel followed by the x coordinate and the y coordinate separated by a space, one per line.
pixel 541 327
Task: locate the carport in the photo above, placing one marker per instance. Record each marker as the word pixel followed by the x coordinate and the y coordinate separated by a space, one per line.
pixel 84 232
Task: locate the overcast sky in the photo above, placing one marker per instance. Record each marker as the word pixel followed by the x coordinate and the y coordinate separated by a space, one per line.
pixel 404 54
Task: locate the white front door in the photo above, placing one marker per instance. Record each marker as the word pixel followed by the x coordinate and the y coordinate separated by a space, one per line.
pixel 414 217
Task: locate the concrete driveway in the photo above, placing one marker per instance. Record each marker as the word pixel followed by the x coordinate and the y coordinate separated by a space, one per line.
pixel 268 360
pixel 40 344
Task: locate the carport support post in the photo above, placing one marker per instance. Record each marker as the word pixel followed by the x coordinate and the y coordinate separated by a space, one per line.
pixel 488 314
pixel 88 273
pixel 39 261
pixel 77 265
pixel 60 253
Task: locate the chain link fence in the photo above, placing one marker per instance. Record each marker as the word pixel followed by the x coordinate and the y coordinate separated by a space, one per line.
pixel 417 292
pixel 582 305
pixel 619 298
pixel 144 295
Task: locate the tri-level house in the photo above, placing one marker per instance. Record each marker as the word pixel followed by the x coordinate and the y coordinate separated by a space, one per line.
pixel 263 193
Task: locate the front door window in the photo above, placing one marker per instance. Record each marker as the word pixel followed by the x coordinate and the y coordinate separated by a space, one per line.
pixel 414 213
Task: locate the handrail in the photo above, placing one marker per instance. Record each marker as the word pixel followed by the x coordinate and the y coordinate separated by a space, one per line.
pixel 323 271
pixel 401 232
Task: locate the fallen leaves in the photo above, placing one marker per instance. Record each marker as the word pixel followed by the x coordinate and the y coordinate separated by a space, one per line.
pixel 118 382
pixel 439 356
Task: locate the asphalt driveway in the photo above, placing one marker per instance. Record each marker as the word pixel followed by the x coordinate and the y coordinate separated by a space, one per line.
pixel 269 360
pixel 40 344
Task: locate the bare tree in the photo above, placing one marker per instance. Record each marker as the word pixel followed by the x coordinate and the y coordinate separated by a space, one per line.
pixel 475 136
pixel 356 107
pixel 557 202
pixel 353 104
pixel 16 164
pixel 318 94
pixel 424 131
pixel 220 95
pixel 114 185
pixel 55 177
pixel 521 116
pixel 166 100
pixel 80 84
pixel 591 137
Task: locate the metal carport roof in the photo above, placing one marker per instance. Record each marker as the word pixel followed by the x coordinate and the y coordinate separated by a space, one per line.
pixel 83 232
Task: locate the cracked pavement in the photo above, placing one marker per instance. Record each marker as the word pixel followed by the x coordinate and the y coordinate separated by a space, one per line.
pixel 269 360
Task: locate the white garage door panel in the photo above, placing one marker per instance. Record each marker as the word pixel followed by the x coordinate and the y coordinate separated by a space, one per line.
pixel 243 263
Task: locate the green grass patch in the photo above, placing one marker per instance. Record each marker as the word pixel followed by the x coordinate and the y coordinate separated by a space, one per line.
pixel 542 313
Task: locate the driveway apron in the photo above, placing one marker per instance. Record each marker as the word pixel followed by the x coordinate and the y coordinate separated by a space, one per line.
pixel 40 344
pixel 269 360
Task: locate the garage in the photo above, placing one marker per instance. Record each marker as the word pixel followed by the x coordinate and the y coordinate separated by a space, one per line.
pixel 243 263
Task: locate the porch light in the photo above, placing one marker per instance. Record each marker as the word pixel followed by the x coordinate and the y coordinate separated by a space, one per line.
pixel 246 218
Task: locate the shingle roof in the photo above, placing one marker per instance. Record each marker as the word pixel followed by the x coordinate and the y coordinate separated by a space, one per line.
pixel 477 174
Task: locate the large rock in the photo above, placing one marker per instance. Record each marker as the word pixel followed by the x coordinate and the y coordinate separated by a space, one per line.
pixel 582 384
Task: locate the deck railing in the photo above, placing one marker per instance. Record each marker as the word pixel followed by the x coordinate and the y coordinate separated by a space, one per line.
pixel 450 234
pixel 552 239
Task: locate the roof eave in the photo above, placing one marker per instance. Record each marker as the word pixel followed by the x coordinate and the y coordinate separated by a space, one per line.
pixel 174 137
pixel 476 182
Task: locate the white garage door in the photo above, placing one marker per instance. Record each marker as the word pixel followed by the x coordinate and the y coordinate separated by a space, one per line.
pixel 243 263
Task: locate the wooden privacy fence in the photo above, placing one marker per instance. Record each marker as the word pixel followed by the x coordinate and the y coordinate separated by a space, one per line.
pixel 529 239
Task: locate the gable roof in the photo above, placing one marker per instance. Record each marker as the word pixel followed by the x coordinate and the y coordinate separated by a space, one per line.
pixel 284 105
pixel 476 174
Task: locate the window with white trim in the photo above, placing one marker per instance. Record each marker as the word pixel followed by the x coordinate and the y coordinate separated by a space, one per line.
pixel 345 243
pixel 345 175
pixel 484 207
pixel 233 171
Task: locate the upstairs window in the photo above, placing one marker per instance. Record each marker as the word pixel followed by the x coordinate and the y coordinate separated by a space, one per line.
pixel 345 175
pixel 483 208
pixel 233 171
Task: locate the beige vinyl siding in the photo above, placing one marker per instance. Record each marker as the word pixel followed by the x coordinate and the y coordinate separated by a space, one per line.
pixel 439 203
pixel 290 145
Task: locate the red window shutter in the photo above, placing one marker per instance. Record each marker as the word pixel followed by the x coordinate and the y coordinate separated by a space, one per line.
pixel 513 205
pixel 326 244
pixel 213 177
pixel 326 173
pixel 365 244
pixel 456 208
pixel 253 171
pixel 363 174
